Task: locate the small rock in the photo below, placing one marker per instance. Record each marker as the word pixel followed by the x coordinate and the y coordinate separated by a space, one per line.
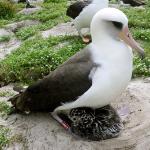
pixel 17 25
pixel 2 84
pixel 2 123
pixel 4 32
pixel 140 7
pixel 29 11
pixel 147 80
pixel 7 48
pixel 61 29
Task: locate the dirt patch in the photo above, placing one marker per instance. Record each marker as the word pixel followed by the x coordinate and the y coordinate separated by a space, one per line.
pixel 40 132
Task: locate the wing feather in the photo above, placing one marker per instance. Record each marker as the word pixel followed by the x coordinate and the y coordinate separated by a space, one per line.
pixel 75 9
pixel 65 84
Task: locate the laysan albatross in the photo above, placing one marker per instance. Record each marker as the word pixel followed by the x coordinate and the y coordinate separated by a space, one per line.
pixel 82 12
pixel 93 77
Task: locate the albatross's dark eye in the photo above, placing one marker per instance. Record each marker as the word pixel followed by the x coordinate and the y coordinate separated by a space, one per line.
pixel 118 25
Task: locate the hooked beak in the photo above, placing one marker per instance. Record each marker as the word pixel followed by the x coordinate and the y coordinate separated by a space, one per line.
pixel 126 36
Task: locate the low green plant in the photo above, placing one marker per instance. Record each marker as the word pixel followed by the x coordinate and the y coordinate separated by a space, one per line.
pixel 51 15
pixel 138 18
pixel 5 109
pixel 5 38
pixel 7 9
pixel 141 67
pixel 26 32
pixel 37 57
pixel 141 34
pixel 3 136
pixel 6 93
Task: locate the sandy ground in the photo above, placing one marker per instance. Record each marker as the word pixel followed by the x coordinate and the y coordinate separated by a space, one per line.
pixel 39 131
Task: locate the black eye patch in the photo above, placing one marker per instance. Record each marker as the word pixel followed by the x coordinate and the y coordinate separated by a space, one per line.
pixel 118 25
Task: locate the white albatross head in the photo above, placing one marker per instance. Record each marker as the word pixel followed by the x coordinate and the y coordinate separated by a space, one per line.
pixel 113 23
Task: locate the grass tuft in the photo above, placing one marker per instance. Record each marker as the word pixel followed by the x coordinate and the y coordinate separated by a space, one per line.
pixel 7 9
pixel 3 137
pixel 5 109
pixel 37 57
pixel 5 38
pixel 50 15
pixel 6 94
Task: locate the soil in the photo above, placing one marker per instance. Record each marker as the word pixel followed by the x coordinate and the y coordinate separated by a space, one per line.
pixel 38 131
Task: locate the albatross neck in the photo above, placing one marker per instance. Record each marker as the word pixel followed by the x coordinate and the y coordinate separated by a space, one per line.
pixel 100 34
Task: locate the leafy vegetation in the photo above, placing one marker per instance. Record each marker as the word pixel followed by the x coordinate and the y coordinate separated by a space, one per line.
pixel 139 26
pixel 7 9
pixel 141 67
pixel 51 14
pixel 5 109
pixel 37 57
pixel 3 136
pixel 5 38
pixel 6 93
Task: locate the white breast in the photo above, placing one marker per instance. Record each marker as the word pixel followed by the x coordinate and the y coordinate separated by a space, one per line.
pixel 113 75
pixel 109 79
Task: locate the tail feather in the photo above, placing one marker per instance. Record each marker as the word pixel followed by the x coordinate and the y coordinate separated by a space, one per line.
pixel 14 99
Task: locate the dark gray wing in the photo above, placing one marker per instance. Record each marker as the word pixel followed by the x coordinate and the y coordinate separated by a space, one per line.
pixel 65 84
pixel 134 2
pixel 74 10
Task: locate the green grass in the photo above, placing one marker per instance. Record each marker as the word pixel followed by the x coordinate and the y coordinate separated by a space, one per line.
pixel 7 9
pixel 141 67
pixel 5 109
pixel 139 25
pixel 51 14
pixel 5 38
pixel 26 32
pixel 37 57
pixel 6 93
pixel 3 137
